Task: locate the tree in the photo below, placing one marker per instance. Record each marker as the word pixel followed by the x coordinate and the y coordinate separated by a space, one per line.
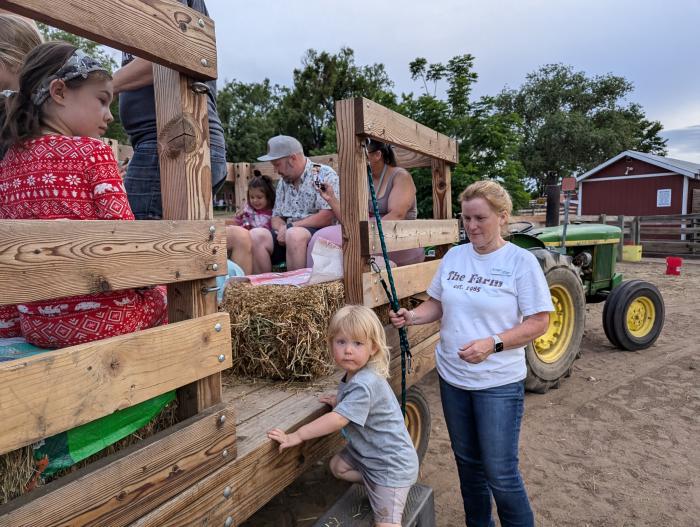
pixel 571 122
pixel 488 140
pixel 115 130
pixel 308 110
pixel 249 115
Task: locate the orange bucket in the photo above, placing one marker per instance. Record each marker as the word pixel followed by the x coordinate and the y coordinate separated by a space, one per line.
pixel 673 265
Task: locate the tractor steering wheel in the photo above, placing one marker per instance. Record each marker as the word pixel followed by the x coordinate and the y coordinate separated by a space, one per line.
pixel 526 226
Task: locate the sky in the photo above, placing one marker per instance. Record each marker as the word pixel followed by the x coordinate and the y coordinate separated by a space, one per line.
pixel 653 44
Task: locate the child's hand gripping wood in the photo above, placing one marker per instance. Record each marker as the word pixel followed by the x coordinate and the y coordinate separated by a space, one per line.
pixel 324 425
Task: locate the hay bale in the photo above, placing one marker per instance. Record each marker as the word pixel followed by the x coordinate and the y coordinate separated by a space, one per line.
pixel 18 468
pixel 279 331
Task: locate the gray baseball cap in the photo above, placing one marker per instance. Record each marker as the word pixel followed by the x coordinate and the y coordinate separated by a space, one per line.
pixel 281 146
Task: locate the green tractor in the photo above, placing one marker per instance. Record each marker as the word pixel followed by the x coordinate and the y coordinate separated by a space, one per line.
pixel 581 270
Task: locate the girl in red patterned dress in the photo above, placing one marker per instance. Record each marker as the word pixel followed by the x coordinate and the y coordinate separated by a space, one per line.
pixel 56 168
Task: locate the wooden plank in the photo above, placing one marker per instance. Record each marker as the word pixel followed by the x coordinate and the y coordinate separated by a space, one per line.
pixel 423 361
pixel 185 175
pixel 656 219
pixel 58 390
pixel 242 173
pixel 388 126
pixel 410 159
pixel 121 488
pixel 409 280
pixel 407 234
pixel 258 473
pixel 162 31
pixel 97 256
pixel 442 197
pixel 354 194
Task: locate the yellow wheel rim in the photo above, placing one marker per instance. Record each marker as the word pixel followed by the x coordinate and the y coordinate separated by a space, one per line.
pixel 413 423
pixel 640 316
pixel 552 346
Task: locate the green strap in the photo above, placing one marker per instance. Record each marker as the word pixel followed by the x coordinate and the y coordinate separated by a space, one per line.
pixel 393 297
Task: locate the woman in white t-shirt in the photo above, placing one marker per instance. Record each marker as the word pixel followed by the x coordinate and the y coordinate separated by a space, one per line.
pixel 492 299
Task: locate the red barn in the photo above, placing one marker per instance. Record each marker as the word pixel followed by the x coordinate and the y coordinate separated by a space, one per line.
pixel 637 184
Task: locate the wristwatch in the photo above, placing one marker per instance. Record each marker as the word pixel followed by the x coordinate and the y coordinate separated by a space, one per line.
pixel 497 343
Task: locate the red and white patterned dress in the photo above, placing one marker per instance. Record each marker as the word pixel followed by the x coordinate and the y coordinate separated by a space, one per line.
pixel 55 177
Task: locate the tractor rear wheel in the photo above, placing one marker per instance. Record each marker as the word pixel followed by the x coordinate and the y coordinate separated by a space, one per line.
pixel 551 356
pixel 633 315
pixel 418 420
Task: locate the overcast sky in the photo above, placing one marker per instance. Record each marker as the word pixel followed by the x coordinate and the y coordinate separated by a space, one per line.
pixel 654 44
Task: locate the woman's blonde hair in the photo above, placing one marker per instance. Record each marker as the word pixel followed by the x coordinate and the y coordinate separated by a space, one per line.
pixel 361 323
pixel 18 36
pixel 493 193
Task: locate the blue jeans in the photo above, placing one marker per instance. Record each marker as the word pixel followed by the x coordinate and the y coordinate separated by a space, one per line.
pixel 484 426
pixel 142 180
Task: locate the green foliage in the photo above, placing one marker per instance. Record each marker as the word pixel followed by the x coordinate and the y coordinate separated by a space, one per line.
pixel 571 122
pixel 93 49
pixel 488 140
pixel 306 110
pixel 249 115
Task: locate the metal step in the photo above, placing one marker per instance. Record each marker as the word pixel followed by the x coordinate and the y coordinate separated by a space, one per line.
pixel 353 509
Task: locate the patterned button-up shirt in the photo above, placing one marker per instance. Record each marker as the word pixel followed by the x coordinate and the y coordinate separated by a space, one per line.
pixel 295 203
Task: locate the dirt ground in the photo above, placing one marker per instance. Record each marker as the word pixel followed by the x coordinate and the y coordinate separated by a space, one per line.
pixel 618 444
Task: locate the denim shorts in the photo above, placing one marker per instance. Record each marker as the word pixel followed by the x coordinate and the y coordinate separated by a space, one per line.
pixel 142 180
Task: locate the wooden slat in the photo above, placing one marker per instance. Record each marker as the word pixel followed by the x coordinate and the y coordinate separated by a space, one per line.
pixel 240 174
pixel 407 234
pixel 409 280
pixel 185 174
pixel 388 126
pixel 409 159
pixel 120 489
pixel 664 217
pixel 422 361
pixel 58 390
pixel 97 256
pixel 256 475
pixel 353 198
pixel 164 32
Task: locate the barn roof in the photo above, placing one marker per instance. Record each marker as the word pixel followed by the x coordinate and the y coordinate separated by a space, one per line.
pixel 684 168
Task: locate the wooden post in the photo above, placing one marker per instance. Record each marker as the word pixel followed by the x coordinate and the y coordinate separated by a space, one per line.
pixel 602 218
pixel 353 195
pixel 621 243
pixel 637 230
pixel 242 173
pixel 442 196
pixel 185 177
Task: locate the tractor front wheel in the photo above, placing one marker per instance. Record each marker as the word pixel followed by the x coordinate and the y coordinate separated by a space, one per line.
pixel 418 420
pixel 551 356
pixel 633 315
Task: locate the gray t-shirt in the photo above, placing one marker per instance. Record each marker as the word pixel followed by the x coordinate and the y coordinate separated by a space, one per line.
pixel 376 434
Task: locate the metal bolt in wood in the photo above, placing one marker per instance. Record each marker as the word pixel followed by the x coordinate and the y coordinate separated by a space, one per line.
pixel 227 492
pixel 222 357
pixel 217 327
pixel 204 62
pixel 222 419
pixel 200 22
pixel 228 522
pixel 225 453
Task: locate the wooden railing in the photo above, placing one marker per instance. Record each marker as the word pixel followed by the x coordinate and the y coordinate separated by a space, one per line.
pixel 58 390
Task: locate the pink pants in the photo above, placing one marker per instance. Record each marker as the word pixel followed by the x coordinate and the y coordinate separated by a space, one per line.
pixel 334 235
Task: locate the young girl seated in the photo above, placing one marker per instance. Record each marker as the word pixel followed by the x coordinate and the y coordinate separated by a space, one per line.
pixel 257 212
pixel 379 452
pixel 55 168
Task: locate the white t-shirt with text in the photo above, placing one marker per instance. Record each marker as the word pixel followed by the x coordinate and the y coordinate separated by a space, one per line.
pixel 483 295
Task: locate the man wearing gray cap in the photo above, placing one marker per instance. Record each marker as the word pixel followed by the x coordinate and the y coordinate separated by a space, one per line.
pixel 299 209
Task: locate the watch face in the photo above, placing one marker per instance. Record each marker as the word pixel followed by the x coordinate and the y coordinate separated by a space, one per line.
pixel 499 347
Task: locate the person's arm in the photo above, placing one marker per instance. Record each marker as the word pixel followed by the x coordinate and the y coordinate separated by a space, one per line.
pixel 429 311
pixel 329 196
pixel 322 218
pixel 137 74
pixel 529 329
pixel 402 197
pixel 324 425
